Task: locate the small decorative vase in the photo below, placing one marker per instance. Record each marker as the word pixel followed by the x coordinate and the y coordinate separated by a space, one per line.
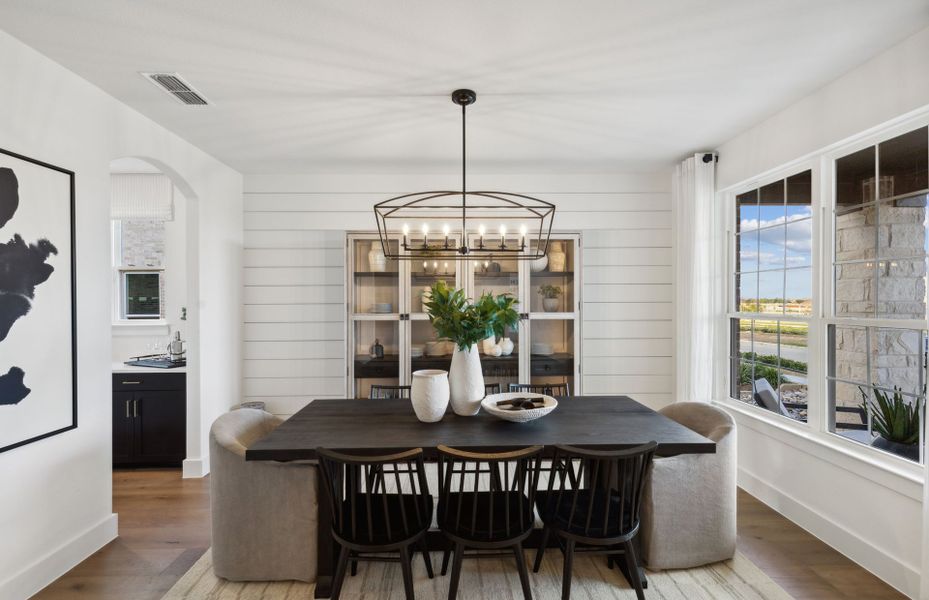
pixel 551 304
pixel 495 351
pixel 487 344
pixel 556 257
pixel 466 381
pixel 377 262
pixel 506 346
pixel 429 394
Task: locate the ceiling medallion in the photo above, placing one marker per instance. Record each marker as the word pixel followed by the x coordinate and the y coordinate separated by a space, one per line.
pixel 464 224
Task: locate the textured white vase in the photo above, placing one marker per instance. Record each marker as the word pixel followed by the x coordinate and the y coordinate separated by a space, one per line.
pixel 466 381
pixel 551 304
pixel 429 394
pixel 377 262
pixel 487 344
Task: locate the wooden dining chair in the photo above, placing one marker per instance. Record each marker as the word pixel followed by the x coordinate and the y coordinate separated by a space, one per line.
pixel 549 389
pixel 491 388
pixel 379 504
pixel 386 392
pixel 486 503
pixel 593 499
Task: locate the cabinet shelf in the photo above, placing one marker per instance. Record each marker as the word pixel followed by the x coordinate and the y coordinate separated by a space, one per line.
pixel 386 274
pixel 561 363
pixel 552 274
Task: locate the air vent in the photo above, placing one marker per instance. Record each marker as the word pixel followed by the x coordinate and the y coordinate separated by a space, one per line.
pixel 177 88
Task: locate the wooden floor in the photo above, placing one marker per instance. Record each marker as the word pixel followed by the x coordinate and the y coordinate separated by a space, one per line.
pixel 164 527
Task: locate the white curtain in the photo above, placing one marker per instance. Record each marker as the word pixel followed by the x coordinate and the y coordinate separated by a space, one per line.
pixel 141 196
pixel 693 199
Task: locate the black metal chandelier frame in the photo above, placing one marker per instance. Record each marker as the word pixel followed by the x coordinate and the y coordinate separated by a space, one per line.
pixel 502 207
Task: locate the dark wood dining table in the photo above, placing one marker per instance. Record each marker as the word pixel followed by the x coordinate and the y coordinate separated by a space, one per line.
pixel 387 426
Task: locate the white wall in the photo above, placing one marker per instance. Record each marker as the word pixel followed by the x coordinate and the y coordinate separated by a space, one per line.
pixel 294 276
pixel 869 513
pixel 55 508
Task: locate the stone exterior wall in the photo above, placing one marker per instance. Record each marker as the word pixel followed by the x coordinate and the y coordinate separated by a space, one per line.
pixel 143 246
pixel 896 289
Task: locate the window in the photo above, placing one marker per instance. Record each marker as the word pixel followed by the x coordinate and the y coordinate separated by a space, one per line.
pixel 141 295
pixel 877 340
pixel 138 259
pixel 772 295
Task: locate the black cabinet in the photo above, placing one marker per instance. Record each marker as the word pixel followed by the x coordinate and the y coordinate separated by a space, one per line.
pixel 149 419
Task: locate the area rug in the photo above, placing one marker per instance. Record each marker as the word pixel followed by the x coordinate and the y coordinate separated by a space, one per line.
pixel 496 579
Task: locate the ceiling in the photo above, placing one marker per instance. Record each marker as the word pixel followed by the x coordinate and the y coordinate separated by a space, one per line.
pixel 363 85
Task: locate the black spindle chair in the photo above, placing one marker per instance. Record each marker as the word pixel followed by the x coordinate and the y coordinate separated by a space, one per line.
pixel 386 392
pixel 491 388
pixel 593 499
pixel 486 503
pixel 379 504
pixel 549 389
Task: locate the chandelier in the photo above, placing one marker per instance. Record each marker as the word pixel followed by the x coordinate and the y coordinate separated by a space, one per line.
pixel 464 224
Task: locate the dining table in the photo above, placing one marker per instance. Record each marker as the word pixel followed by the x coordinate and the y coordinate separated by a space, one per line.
pixel 389 425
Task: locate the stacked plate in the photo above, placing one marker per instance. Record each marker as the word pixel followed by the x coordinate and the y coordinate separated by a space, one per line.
pixel 416 351
pixel 541 349
pixel 382 307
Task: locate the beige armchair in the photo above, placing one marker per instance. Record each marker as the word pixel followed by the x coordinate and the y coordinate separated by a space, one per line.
pixel 688 514
pixel 264 513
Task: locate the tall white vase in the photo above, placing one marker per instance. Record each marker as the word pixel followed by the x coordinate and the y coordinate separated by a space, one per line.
pixel 429 394
pixel 466 381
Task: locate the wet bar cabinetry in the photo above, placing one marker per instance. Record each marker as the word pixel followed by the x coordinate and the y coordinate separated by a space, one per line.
pixel 149 419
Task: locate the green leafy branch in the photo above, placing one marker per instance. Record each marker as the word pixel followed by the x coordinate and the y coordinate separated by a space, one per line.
pixel 465 323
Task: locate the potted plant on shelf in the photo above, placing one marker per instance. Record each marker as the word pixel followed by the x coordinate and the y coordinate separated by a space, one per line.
pixel 466 324
pixel 550 294
pixel 895 421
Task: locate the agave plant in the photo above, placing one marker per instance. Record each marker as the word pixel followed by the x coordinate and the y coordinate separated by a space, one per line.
pixel 464 323
pixel 893 418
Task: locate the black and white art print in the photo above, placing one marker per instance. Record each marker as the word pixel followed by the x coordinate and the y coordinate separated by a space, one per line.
pixel 38 377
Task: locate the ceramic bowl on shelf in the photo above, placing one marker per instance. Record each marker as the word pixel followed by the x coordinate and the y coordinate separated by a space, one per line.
pixel 509 406
pixel 541 349
pixel 435 348
pixel 382 307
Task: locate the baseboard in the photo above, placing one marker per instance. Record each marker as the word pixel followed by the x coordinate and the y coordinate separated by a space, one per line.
pixel 901 576
pixel 56 563
pixel 193 468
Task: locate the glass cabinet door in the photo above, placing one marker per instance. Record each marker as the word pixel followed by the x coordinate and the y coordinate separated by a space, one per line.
pixel 376 280
pixel 551 359
pixel 376 355
pixel 551 279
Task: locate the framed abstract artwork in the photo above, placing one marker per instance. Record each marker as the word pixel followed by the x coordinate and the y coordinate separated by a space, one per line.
pixel 38 359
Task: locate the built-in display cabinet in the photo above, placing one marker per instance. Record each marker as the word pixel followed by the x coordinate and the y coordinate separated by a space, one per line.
pixel 390 335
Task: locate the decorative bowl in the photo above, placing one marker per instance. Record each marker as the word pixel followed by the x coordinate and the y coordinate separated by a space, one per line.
pixel 538 264
pixel 519 415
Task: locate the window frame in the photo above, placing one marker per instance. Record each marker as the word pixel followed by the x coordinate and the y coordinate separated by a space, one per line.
pixel 121 325
pixel 730 207
pixel 841 450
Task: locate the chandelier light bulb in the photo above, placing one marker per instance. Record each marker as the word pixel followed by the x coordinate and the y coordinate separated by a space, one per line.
pixel 406 229
pixel 503 231
pixel 481 230
pixel 445 229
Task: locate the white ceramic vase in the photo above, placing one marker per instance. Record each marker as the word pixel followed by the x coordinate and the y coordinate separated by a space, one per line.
pixel 429 394
pixel 506 346
pixel 487 344
pixel 551 304
pixel 377 262
pixel 466 381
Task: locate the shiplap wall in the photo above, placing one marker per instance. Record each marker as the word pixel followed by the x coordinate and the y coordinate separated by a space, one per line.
pixel 295 321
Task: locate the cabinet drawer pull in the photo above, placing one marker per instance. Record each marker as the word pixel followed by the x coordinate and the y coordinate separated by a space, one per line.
pixel 135 408
pixel 130 382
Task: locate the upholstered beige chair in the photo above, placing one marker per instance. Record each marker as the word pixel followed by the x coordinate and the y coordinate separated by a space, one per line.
pixel 688 514
pixel 264 513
